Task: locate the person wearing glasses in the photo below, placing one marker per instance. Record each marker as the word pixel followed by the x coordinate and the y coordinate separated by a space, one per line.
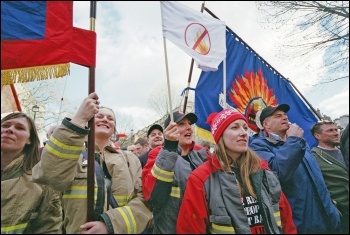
pixel 282 145
pixel 332 164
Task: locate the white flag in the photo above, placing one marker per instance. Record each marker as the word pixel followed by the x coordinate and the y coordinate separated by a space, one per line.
pixel 200 36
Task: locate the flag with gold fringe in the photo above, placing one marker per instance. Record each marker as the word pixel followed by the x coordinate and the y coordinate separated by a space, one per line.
pixel 38 41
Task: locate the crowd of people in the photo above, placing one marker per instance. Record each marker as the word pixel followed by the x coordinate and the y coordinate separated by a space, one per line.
pixel 166 183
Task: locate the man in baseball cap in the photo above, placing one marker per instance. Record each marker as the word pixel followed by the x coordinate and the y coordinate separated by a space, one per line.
pixel 284 148
pixel 154 127
pixel 269 110
pixel 154 138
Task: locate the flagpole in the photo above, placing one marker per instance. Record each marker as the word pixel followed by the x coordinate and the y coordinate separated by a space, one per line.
pixel 190 74
pixel 14 93
pixel 168 81
pixel 224 82
pixel 91 136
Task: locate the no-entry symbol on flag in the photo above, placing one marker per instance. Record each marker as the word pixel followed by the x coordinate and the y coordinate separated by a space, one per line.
pixel 197 37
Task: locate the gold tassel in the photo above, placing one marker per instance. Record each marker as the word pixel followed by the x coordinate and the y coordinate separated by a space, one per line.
pixel 30 74
pixel 204 134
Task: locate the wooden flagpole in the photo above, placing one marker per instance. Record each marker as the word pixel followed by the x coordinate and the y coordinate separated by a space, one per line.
pixel 190 75
pixel 168 80
pixel 91 136
pixel 14 92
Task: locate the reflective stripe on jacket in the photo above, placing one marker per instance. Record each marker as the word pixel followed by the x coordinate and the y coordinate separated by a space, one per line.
pixel 212 202
pixel 164 180
pixel 27 207
pixel 62 167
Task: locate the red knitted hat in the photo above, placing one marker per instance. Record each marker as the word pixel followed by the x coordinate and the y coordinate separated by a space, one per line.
pixel 219 121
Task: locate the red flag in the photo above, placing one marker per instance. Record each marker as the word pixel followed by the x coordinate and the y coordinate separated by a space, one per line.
pixel 38 41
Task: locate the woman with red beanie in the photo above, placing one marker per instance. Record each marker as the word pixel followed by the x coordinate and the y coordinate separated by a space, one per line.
pixel 234 191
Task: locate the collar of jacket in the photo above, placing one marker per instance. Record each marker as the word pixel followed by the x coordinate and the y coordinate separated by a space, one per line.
pixel 179 149
pixel 272 138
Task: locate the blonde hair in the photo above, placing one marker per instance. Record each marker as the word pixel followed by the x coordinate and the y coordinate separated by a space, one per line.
pixel 248 164
pixel 115 117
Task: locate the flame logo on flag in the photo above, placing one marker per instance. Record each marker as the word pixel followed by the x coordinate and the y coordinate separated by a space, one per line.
pixel 251 94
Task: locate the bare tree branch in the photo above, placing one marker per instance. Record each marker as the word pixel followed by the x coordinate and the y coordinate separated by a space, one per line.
pixel 45 95
pixel 159 99
pixel 312 28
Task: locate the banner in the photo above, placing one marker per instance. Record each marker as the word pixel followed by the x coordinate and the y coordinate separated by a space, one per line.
pixel 38 41
pixel 200 36
pixel 251 85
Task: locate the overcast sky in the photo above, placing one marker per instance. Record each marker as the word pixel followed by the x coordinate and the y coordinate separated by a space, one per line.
pixel 131 65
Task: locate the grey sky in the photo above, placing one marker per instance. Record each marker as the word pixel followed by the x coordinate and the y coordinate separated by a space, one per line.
pixel 131 64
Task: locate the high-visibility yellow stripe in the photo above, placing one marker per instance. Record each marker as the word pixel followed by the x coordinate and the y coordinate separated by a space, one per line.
pixel 61 155
pixel 77 187
pixel 166 176
pixel 14 229
pixel 129 219
pixel 278 218
pixel 77 196
pixel 122 200
pixel 215 228
pixel 78 192
pixel 62 150
pixel 175 192
pixel 65 146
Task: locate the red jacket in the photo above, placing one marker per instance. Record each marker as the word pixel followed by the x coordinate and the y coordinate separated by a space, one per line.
pixel 190 221
pixel 148 182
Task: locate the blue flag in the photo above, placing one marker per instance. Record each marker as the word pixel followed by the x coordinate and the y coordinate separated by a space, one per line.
pixel 251 85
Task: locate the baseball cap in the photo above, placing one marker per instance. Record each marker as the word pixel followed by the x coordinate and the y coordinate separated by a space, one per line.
pixel 154 126
pixel 178 116
pixel 269 110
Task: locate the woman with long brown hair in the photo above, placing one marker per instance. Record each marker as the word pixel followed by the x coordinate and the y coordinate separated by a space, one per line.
pixel 233 192
pixel 26 207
